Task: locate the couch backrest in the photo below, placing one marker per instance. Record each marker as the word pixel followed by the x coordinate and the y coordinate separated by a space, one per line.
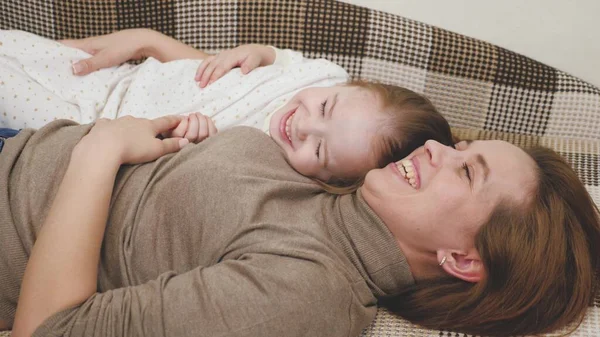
pixel 475 84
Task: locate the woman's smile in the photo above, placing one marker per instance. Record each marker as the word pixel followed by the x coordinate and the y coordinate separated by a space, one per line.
pixel 406 169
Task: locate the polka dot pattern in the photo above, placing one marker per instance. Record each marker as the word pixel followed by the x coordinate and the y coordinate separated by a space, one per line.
pixel 38 86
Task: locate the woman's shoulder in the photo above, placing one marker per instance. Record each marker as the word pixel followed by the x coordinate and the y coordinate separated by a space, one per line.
pixel 244 140
pixel 244 131
pixel 247 149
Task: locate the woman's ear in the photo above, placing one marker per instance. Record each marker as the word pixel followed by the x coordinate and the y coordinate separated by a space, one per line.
pixel 462 265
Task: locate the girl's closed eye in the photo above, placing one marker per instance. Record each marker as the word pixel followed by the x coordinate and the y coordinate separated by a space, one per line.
pixel 323 107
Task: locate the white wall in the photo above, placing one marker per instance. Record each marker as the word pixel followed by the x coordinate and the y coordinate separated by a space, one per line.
pixel 561 33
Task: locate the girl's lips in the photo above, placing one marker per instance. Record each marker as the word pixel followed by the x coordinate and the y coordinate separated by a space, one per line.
pixel 282 124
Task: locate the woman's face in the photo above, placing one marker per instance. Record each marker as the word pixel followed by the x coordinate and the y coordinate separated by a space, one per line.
pixel 453 191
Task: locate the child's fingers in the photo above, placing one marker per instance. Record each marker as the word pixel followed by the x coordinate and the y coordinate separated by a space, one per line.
pixel 202 128
pixel 212 129
pixel 227 62
pixel 218 73
pixel 192 130
pixel 250 63
pixel 207 74
pixel 203 67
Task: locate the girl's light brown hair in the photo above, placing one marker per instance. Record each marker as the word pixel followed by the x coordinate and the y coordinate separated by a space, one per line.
pixel 411 120
pixel 541 261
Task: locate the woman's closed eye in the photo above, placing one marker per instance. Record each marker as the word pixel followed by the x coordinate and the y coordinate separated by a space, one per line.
pixel 318 150
pixel 467 172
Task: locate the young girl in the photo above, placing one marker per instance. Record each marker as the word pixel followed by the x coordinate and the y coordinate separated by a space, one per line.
pixel 329 129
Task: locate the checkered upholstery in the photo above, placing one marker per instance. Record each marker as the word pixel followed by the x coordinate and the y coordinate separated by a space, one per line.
pixel 483 90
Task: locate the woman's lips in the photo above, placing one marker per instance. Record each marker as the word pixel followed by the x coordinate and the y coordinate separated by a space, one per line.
pixel 396 171
pixel 282 124
pixel 417 166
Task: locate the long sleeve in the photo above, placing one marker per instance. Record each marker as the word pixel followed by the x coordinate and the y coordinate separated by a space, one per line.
pixel 285 57
pixel 255 295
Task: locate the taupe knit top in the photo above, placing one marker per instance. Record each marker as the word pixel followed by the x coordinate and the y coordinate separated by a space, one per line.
pixel 220 239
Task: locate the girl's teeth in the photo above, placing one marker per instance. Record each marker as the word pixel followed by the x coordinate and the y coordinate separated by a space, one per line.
pixel 410 174
pixel 288 126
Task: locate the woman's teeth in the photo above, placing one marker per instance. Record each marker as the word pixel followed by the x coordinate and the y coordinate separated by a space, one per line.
pixel 288 126
pixel 407 170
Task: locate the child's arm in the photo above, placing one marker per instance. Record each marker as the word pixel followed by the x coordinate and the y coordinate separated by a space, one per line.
pixel 130 44
pixel 196 127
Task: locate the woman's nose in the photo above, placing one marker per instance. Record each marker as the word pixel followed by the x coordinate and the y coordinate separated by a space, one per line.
pixel 436 151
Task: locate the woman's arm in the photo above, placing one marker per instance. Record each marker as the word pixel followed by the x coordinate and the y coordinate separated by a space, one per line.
pixel 257 294
pixel 62 269
pixel 130 44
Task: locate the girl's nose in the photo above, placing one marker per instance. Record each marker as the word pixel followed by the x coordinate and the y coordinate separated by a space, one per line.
pixel 302 129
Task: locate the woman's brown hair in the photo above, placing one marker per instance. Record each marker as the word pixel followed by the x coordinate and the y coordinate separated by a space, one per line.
pixel 541 261
pixel 411 120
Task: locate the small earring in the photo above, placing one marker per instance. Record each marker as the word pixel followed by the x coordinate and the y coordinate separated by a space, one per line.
pixel 443 261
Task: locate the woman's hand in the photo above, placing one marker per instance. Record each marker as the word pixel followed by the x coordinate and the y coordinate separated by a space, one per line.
pixel 130 140
pixel 109 50
pixel 248 57
pixel 196 127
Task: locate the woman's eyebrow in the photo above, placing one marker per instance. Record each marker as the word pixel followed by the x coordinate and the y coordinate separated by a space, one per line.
pixel 486 168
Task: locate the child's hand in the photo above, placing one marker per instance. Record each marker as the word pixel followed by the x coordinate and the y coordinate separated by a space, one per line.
pixel 196 127
pixel 109 50
pixel 248 57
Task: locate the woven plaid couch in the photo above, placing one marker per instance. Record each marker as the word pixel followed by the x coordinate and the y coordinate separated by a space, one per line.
pixel 483 90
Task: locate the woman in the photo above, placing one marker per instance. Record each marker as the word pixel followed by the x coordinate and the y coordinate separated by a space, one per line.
pixel 224 238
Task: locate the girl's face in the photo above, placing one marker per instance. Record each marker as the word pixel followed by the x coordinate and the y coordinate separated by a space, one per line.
pixel 328 132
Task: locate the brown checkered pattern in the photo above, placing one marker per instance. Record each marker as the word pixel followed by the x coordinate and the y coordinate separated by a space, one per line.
pixel 483 90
